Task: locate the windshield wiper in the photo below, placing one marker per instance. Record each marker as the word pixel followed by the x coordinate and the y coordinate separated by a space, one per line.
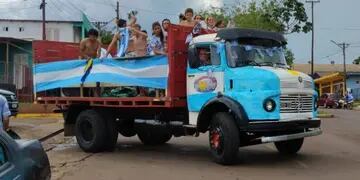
pixel 248 62
pixel 267 64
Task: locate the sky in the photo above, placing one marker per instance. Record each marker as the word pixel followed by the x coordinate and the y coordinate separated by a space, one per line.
pixel 334 20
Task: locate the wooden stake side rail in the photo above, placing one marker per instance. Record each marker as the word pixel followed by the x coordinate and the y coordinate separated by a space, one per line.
pixel 113 102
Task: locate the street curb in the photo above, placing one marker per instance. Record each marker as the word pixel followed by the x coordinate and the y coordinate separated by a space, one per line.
pixel 325 116
pixel 39 115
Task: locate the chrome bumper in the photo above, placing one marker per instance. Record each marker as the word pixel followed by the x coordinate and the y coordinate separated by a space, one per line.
pixel 314 132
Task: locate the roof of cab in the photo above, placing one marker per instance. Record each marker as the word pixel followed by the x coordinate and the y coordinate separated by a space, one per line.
pixel 207 38
pixel 241 33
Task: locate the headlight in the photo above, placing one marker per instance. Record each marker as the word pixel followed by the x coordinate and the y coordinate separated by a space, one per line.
pixel 269 105
pixel 14 106
pixel 13 97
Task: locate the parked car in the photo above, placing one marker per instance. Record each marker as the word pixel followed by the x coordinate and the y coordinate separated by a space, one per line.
pixel 22 159
pixel 328 100
pixel 12 100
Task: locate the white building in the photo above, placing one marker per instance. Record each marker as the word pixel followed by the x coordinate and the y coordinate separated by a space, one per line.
pixel 23 20
pixel 66 31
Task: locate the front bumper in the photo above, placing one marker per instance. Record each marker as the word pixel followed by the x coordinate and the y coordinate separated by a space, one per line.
pixel 275 131
pixel 308 133
pixel 280 126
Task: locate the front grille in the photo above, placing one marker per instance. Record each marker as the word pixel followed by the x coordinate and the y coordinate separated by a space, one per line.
pixel 296 103
pixel 308 84
pixel 296 84
pixel 8 98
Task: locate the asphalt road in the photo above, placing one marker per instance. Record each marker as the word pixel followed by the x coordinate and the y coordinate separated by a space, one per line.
pixel 333 155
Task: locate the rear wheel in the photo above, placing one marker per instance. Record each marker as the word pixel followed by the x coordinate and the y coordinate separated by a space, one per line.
pixel 127 128
pixel 153 135
pixel 289 147
pixel 90 129
pixel 224 139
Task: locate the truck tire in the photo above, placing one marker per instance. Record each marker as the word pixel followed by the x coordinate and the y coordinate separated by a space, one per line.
pixel 289 147
pixel 127 128
pixel 153 136
pixel 224 138
pixel 90 130
pixel 111 133
pixel 127 132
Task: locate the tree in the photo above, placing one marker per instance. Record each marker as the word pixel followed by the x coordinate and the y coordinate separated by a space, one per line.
pixel 289 56
pixel 217 13
pixel 357 60
pixel 285 16
pixel 106 37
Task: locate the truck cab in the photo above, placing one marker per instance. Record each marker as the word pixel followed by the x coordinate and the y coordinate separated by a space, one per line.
pixel 241 75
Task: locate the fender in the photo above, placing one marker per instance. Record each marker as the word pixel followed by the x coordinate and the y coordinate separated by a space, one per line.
pixel 221 103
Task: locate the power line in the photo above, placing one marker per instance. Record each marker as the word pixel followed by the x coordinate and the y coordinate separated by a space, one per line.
pixel 330 55
pixel 340 29
pixel 135 8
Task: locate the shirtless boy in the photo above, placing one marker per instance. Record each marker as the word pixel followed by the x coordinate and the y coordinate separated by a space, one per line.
pixel 90 47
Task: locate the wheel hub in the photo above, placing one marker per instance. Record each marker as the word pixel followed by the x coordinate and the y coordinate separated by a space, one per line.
pixel 87 131
pixel 215 139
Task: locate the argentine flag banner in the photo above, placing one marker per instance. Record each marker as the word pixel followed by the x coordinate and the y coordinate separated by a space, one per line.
pixel 145 72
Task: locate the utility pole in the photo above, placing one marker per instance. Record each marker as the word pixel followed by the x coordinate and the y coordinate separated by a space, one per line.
pixel 343 46
pixel 42 6
pixel 117 14
pixel 117 10
pixel 312 34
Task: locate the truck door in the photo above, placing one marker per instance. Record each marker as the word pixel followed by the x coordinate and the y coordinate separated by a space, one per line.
pixel 205 77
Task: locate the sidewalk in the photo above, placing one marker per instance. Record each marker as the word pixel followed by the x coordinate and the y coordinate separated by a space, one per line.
pixel 39 115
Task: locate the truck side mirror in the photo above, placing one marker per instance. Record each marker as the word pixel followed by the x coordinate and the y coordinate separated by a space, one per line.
pixel 193 57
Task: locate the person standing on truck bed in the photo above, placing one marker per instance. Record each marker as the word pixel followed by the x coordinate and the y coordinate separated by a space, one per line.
pixel 139 40
pixel 90 47
pixel 4 113
pixel 122 36
pixel 188 21
pixel 165 26
pixel 156 46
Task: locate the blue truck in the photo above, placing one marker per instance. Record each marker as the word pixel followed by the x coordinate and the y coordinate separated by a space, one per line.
pixel 234 85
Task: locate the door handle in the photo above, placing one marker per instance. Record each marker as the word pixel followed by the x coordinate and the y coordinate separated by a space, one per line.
pixel 191 75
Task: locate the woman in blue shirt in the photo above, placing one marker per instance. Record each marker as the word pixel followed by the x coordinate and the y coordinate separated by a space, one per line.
pixel 156 45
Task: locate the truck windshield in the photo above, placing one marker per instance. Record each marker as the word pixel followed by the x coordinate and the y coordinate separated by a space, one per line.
pixel 254 55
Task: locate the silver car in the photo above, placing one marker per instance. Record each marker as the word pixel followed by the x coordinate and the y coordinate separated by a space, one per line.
pixel 22 159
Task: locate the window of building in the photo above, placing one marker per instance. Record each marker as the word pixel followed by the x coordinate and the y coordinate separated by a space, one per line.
pixel 5 28
pixel 357 82
pixel 21 29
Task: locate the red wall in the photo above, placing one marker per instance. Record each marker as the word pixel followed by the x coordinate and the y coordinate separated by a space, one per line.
pixel 51 51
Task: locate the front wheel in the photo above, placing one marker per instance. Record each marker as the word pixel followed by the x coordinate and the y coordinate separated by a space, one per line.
pixel 224 138
pixel 289 147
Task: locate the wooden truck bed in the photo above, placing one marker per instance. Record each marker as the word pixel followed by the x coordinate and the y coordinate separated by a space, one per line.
pixel 136 102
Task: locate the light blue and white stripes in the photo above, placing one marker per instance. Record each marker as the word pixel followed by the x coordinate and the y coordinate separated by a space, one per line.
pixel 148 72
